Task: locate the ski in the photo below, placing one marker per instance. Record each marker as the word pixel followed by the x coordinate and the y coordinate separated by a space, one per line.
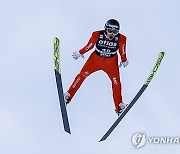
pixel 57 69
pixel 145 85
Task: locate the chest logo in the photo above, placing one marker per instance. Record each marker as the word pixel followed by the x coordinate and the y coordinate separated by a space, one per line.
pixel 107 43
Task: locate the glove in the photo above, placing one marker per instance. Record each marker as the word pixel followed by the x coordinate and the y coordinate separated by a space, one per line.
pixel 124 64
pixel 76 55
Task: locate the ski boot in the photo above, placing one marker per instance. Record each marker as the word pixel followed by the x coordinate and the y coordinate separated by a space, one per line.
pixel 122 107
pixel 66 97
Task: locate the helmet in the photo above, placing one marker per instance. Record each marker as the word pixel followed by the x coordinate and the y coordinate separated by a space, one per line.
pixel 113 24
pixel 112 28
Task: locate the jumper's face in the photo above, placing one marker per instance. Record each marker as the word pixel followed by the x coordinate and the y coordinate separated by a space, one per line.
pixel 111 33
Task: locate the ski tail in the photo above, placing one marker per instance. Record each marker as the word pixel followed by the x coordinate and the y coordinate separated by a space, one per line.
pixel 57 69
pixel 145 85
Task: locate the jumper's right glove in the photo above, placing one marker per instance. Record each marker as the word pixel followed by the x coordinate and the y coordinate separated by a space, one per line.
pixel 76 55
pixel 124 64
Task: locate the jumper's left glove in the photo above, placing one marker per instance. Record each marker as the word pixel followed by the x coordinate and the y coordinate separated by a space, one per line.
pixel 124 64
pixel 76 55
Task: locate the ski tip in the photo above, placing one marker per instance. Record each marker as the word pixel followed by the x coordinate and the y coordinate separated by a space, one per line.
pixel 162 52
pixel 56 37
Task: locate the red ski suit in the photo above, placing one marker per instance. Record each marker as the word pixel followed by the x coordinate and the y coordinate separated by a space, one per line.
pixel 103 58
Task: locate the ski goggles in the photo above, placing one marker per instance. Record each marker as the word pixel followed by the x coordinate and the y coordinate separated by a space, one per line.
pixel 114 31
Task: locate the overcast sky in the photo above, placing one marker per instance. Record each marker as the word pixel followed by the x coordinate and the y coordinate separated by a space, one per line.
pixel 30 118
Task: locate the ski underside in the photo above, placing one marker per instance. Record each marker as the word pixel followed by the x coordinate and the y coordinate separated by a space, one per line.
pixel 57 69
pixel 145 85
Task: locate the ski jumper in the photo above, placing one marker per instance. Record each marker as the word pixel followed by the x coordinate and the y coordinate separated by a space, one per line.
pixel 103 58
